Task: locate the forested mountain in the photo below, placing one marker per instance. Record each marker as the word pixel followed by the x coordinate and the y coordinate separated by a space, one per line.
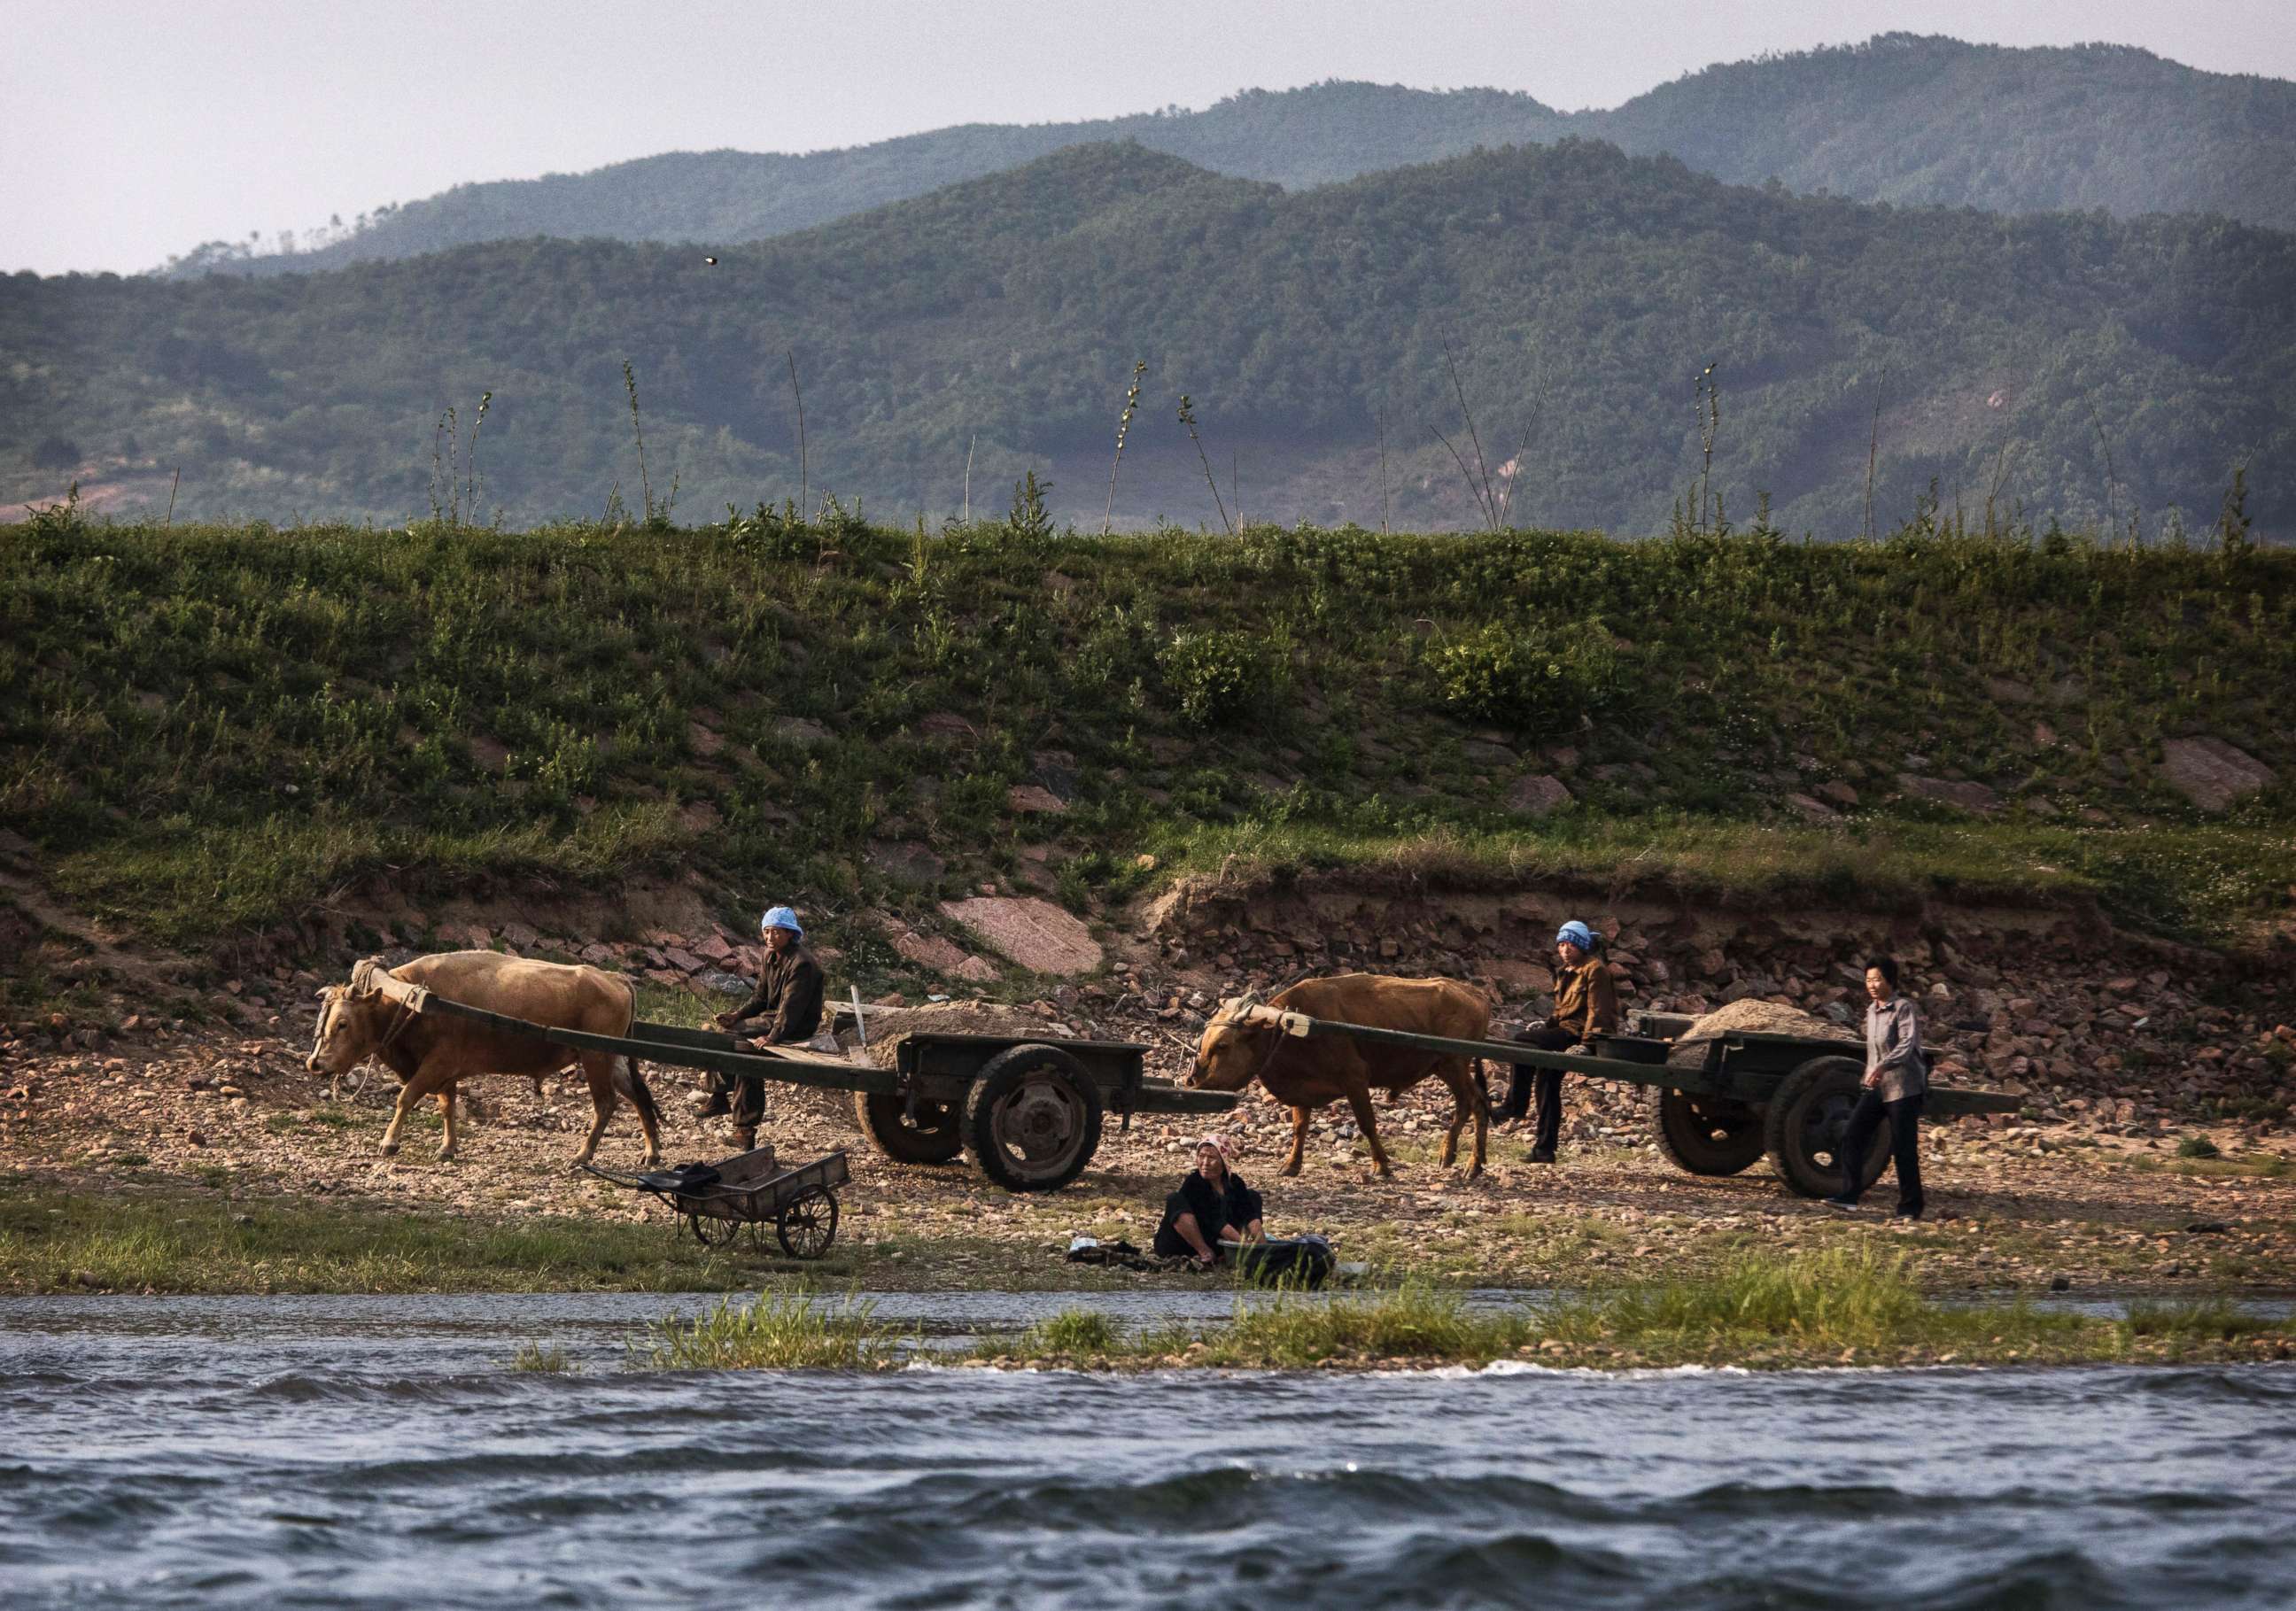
pixel 1901 119
pixel 2066 362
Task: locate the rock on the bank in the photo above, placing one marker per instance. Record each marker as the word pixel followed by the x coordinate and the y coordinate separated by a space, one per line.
pixel 1032 933
pixel 2212 773
pixel 1968 796
pixel 1537 795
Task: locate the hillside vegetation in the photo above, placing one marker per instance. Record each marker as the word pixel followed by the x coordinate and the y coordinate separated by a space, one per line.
pixel 1900 118
pixel 1570 294
pixel 205 732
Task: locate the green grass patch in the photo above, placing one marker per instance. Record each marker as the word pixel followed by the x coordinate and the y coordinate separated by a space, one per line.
pixel 173 1241
pixel 540 1358
pixel 1758 1310
pixel 793 1330
pixel 206 730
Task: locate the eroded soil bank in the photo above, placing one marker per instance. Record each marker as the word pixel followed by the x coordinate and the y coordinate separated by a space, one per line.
pixel 2131 1059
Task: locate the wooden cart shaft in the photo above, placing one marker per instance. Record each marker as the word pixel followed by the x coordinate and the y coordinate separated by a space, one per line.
pixel 1115 1064
pixel 1746 1066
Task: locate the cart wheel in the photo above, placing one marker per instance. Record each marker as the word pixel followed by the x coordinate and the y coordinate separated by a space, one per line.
pixel 1705 1134
pixel 808 1223
pixel 1032 1118
pixel 1802 1126
pixel 713 1232
pixel 936 1138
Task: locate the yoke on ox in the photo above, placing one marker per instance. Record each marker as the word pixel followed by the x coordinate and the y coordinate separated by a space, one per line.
pixel 374 1016
pixel 1244 1042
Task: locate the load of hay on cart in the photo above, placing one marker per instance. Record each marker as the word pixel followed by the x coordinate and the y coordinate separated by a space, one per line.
pixel 1029 1112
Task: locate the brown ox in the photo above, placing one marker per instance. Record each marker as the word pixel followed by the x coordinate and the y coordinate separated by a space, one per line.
pixel 429 1051
pixel 1239 1047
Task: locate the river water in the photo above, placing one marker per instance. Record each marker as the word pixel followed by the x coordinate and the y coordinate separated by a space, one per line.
pixel 376 1451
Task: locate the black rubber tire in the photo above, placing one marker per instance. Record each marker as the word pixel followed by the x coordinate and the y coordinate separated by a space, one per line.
pixel 1706 1134
pixel 1032 1118
pixel 713 1232
pixel 1803 1122
pixel 938 1137
pixel 807 1223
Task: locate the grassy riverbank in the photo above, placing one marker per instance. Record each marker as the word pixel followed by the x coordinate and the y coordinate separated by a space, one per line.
pixel 1764 1311
pixel 1841 1297
pixel 204 731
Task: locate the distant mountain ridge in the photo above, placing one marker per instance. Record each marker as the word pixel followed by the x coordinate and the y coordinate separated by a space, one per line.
pixel 2065 364
pixel 1901 119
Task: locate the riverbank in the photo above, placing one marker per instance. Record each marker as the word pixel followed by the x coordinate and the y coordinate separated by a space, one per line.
pixel 1760 1312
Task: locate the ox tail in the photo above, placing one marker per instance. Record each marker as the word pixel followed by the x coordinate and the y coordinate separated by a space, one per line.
pixel 631 1084
pixel 1482 1080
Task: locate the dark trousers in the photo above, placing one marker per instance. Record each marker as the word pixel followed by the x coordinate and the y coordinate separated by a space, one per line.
pixel 749 1094
pixel 1904 1118
pixel 1547 1082
pixel 1169 1243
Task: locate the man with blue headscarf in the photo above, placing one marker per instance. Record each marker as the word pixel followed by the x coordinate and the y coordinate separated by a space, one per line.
pixel 790 986
pixel 1586 1005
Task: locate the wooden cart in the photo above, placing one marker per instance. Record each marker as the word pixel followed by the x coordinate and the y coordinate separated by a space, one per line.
pixel 1739 1095
pixel 1031 1112
pixel 752 1191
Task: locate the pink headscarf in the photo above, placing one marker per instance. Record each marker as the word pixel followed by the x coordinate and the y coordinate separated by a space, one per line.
pixel 1219 1144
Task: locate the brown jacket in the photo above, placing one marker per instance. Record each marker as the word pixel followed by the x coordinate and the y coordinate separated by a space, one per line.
pixel 789 986
pixel 1586 1000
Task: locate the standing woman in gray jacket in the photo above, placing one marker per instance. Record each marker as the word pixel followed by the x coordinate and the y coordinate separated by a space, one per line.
pixel 1897 1078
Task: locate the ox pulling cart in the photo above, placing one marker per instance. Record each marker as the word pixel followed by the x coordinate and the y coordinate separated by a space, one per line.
pixel 1716 1104
pixel 1031 1112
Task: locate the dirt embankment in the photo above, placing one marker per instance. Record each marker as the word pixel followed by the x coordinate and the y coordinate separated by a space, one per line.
pixel 2123 1051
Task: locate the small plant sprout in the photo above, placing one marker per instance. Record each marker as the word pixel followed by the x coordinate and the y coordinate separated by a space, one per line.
pixel 1028 517
pixel 1123 425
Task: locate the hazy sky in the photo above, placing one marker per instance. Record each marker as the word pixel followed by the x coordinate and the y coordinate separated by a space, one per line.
pixel 139 128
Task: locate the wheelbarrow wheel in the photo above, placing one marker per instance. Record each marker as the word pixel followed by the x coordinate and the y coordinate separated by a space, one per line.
pixel 1032 1118
pixel 1705 1134
pixel 1803 1123
pixel 807 1223
pixel 713 1232
pixel 936 1138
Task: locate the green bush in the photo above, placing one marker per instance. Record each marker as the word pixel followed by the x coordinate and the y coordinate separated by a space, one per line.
pixel 2196 1146
pixel 1216 678
pixel 1528 677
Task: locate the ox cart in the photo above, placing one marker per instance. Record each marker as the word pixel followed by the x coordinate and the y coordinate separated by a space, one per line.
pixel 750 1189
pixel 1029 1112
pixel 1734 1097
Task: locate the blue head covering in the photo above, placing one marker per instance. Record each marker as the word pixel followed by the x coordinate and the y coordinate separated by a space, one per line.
pixel 1578 934
pixel 781 917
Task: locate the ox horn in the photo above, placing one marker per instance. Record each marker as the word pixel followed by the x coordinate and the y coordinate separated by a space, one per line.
pixel 1232 1009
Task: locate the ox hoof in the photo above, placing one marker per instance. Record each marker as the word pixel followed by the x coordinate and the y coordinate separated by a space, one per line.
pixel 1289 1169
pixel 390 1149
pixel 447 1155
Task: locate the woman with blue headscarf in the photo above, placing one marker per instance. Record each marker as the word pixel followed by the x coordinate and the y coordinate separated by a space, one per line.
pixel 1586 1005
pixel 790 984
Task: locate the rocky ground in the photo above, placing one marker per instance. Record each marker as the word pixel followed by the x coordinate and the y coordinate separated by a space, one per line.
pixel 2154 1149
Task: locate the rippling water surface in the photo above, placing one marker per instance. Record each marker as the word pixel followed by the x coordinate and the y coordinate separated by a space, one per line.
pixel 376 1451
